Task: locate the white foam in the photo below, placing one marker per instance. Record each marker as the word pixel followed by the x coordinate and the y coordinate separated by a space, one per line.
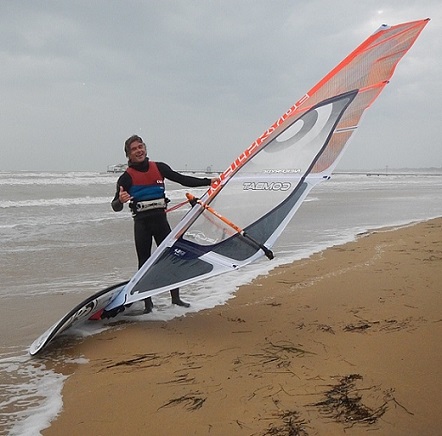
pixel 36 382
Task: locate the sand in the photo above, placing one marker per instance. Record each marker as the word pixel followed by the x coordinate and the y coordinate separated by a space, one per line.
pixel 344 342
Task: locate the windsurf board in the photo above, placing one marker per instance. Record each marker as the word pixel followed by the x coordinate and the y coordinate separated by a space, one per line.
pixel 79 314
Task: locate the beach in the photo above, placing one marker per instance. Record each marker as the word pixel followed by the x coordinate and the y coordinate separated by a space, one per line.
pixel 343 342
pixel 62 243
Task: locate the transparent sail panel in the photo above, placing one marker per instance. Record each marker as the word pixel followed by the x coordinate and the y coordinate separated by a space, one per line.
pixel 274 174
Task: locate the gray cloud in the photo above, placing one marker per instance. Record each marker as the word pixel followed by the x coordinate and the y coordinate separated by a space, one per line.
pixel 199 80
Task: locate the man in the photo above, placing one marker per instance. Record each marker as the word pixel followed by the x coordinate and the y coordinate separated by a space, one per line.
pixel 142 185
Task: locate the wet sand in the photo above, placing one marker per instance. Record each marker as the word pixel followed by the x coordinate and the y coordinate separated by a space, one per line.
pixel 344 342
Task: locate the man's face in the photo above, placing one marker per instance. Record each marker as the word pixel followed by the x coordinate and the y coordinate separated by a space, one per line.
pixel 137 152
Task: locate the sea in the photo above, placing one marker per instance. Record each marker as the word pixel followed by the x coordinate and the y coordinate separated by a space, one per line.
pixel 61 242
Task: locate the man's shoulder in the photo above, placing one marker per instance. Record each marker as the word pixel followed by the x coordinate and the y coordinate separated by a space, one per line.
pixel 158 163
pixel 125 177
pixel 163 167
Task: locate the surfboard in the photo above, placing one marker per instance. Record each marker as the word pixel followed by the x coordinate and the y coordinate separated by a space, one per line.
pixel 79 314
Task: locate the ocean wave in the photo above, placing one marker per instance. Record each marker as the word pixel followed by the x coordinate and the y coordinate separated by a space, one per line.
pixel 73 178
pixel 54 202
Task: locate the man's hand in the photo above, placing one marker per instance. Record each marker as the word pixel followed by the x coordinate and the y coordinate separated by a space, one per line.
pixel 124 196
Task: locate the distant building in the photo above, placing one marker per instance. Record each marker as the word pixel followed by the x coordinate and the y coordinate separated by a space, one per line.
pixel 117 168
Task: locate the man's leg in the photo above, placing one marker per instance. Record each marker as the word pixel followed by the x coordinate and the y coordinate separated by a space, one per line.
pixel 143 245
pixel 175 294
pixel 161 231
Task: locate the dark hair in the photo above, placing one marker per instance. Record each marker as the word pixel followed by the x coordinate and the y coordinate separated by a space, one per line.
pixel 129 141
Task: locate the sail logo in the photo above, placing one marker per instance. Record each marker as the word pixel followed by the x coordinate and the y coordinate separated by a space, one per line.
pixel 266 186
pixel 178 252
pixel 283 171
pixel 254 147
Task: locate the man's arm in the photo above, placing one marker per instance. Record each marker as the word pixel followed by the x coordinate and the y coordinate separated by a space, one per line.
pixel 117 204
pixel 121 195
pixel 190 181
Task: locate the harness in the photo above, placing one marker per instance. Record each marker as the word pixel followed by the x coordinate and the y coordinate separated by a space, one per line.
pixel 142 206
pixel 147 190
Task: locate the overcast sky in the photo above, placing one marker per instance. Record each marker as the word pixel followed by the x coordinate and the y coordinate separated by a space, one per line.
pixel 200 80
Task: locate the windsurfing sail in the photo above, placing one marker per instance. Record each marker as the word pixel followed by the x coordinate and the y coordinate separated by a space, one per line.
pixel 262 189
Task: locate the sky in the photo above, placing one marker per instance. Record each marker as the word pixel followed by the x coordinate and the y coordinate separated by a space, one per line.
pixel 200 80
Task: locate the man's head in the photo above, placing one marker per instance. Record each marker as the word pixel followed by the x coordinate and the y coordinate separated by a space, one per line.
pixel 135 149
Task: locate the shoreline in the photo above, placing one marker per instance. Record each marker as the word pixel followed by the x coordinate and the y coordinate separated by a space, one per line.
pixel 360 320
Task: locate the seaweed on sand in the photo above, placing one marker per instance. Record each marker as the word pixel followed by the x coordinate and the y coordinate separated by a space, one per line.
pixel 193 401
pixel 292 425
pixel 343 403
pixel 280 353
